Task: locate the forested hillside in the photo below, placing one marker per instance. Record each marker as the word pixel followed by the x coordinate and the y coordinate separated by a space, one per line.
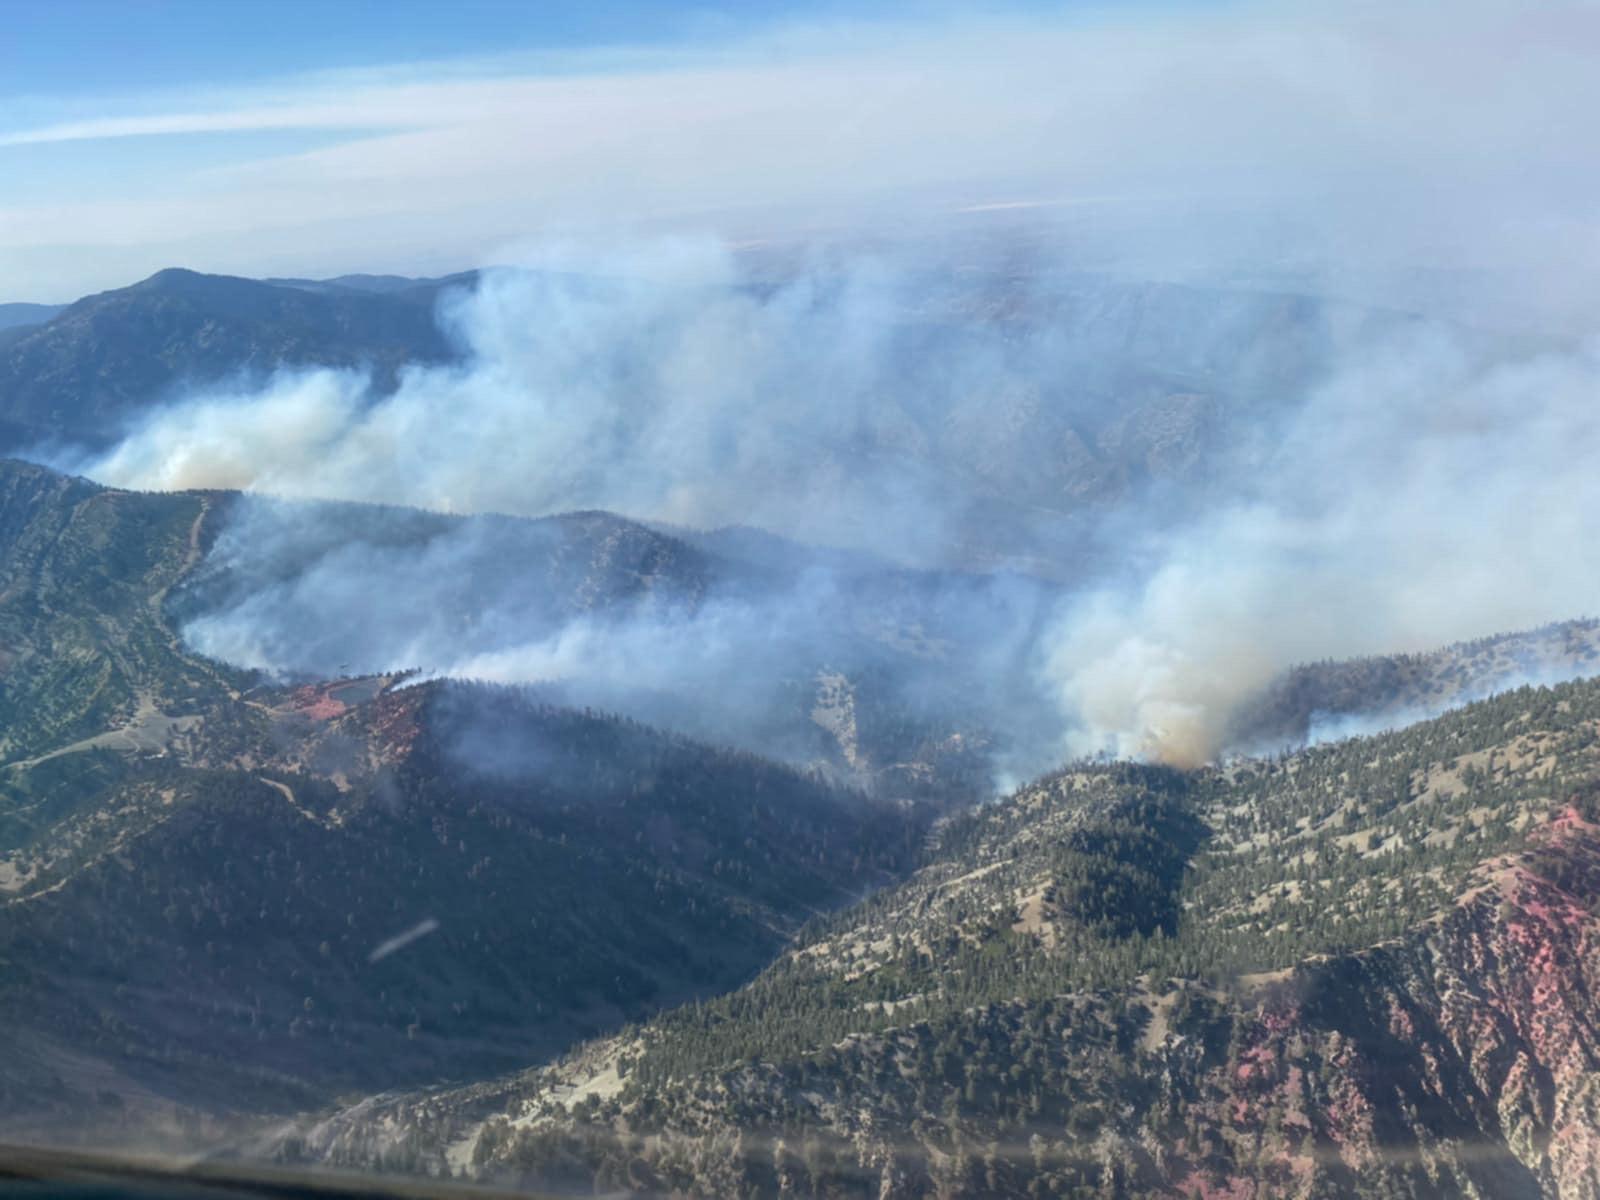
pixel 225 895
pixel 1361 969
pixel 84 644
pixel 1333 699
pixel 232 897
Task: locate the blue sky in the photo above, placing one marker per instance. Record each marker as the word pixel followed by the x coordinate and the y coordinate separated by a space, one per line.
pixel 64 47
pixel 67 59
pixel 57 49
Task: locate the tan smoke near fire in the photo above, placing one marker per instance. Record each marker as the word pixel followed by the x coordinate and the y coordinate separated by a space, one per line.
pixel 1423 496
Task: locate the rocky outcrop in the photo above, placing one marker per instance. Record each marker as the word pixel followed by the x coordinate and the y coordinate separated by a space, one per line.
pixel 1460 1060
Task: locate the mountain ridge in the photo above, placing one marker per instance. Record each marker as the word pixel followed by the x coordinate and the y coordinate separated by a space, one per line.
pixel 209 877
pixel 88 371
pixel 1442 1047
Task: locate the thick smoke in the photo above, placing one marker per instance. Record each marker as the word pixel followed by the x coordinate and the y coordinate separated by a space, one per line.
pixel 659 382
pixel 1388 485
pixel 604 612
pixel 1364 482
pixel 1226 481
pixel 1422 496
pixel 892 403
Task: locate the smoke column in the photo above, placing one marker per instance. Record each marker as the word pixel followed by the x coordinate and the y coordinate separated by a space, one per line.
pixel 1225 480
pixel 1423 496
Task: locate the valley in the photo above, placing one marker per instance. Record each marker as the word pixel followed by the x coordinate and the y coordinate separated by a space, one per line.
pixel 587 853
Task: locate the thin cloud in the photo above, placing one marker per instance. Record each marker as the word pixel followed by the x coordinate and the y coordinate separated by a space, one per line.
pixel 241 121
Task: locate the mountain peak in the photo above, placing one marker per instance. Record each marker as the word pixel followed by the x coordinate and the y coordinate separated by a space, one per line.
pixel 169 276
pixel 183 280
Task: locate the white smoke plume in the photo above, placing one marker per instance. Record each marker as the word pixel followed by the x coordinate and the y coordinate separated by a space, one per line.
pixel 1423 496
pixel 1428 485
pixel 1299 480
pixel 660 382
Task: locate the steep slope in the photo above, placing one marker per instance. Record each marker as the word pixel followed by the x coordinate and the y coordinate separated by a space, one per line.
pixel 112 597
pixel 891 677
pixel 84 571
pixel 284 568
pixel 471 882
pixel 1374 978
pixel 88 371
pixel 1326 700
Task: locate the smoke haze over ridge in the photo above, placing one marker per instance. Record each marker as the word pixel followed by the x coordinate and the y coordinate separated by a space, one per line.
pixel 1404 500
pixel 1394 485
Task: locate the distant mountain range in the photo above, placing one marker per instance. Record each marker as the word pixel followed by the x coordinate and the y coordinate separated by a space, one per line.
pixel 13 315
pixel 382 285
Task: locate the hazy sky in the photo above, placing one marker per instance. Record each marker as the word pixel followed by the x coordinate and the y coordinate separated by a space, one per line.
pixel 291 135
pixel 279 137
